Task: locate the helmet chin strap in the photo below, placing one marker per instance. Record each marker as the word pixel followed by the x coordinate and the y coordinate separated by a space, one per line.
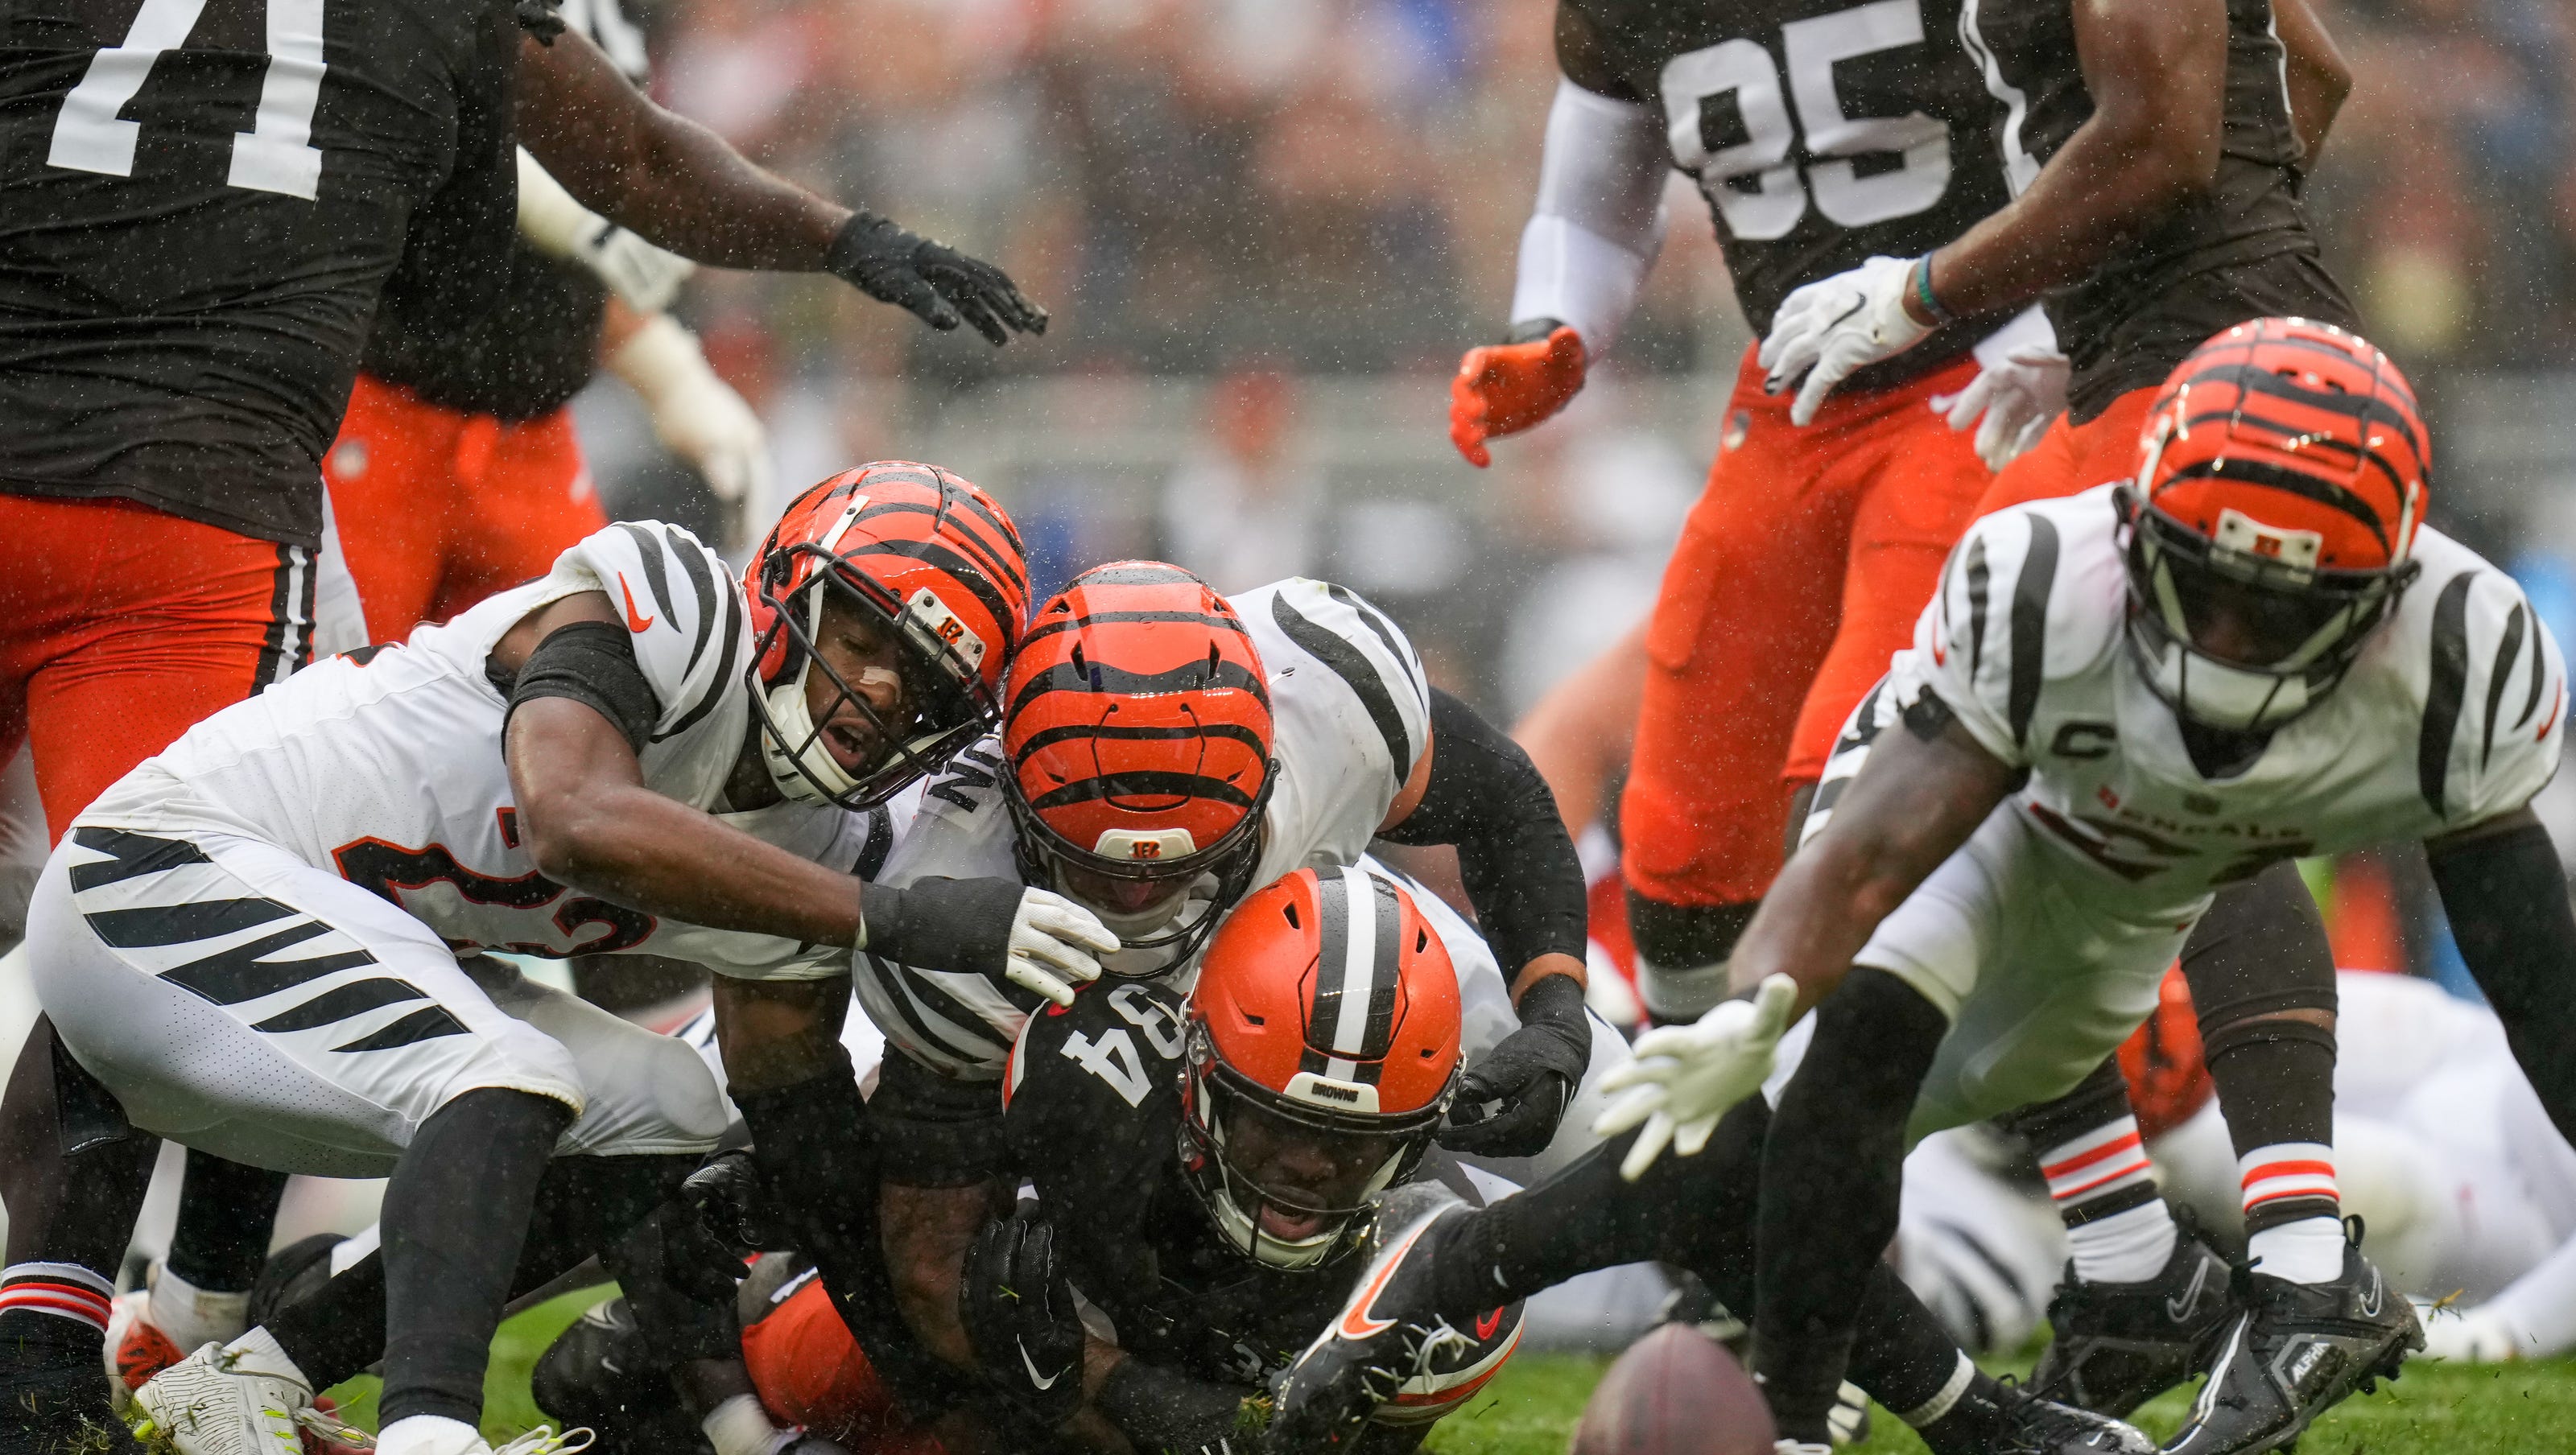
pixel 790 720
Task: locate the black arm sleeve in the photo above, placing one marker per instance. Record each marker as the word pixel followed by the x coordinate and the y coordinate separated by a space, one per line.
pixel 593 663
pixel 2506 895
pixel 1486 797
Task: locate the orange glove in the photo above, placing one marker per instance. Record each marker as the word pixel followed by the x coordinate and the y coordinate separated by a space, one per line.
pixel 1503 389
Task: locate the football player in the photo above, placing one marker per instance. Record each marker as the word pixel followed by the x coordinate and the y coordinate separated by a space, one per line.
pixel 1821 134
pixel 1163 749
pixel 261 942
pixel 2251 652
pixel 1212 1172
pixel 2143 158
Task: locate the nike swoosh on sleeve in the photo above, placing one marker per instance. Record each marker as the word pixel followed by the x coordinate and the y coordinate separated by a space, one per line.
pixel 634 622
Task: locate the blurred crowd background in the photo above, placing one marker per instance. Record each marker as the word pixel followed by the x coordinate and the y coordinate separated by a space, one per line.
pixel 1266 228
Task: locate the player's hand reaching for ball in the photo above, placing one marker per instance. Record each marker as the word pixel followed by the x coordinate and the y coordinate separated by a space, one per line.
pixel 1505 388
pixel 937 283
pixel 1686 1077
pixel 1834 326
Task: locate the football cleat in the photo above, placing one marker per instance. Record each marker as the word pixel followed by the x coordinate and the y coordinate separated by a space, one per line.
pixel 2118 1345
pixel 2294 1351
pixel 2031 1424
pixel 1385 1335
pixel 136 1347
pixel 214 1403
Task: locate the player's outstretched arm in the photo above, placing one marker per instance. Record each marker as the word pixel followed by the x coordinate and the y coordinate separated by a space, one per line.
pixel 1922 792
pixel 2157 72
pixel 683 187
pixel 2505 892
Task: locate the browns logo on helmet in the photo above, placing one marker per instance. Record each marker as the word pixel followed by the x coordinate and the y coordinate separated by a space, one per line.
pixel 2280 483
pixel 1322 1053
pixel 918 557
pixel 1137 738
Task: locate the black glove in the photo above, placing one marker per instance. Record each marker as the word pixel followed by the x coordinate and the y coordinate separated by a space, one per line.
pixel 733 1202
pixel 1017 1307
pixel 936 282
pixel 1511 1099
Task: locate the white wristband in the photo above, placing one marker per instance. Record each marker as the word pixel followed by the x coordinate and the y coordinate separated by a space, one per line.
pixel 549 218
pixel 661 360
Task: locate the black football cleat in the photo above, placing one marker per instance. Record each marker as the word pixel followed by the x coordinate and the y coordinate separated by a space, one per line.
pixel 2295 1351
pixel 2117 1345
pixel 2036 1425
pixel 1385 1334
pixel 1999 1417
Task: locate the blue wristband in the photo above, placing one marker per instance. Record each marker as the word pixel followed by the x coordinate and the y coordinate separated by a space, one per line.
pixel 1923 291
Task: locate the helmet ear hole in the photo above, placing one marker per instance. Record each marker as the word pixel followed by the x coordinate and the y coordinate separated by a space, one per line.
pixel 1289 909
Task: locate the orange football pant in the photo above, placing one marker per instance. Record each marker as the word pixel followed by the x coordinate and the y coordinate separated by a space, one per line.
pixel 438 509
pixel 810 1372
pixel 1799 573
pixel 121 627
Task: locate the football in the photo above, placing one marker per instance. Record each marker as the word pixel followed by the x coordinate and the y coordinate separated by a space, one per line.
pixel 1675 1392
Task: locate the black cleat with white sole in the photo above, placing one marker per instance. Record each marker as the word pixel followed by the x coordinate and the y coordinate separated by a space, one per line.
pixel 1999 1417
pixel 1386 1334
pixel 2117 1345
pixel 2295 1351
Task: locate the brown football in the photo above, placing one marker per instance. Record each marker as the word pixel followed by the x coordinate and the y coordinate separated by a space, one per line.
pixel 1675 1392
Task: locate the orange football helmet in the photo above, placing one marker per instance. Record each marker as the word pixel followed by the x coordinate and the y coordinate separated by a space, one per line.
pixel 2280 484
pixel 1137 733
pixel 1323 1052
pixel 922 553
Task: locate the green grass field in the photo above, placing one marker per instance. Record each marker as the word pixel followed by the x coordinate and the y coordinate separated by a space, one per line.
pixel 1530 1409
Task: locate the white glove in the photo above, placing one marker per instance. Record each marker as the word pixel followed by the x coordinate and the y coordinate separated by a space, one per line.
pixel 1686 1077
pixel 1829 328
pixel 1056 945
pixel 2472 1336
pixel 647 277
pixel 695 411
pixel 2018 394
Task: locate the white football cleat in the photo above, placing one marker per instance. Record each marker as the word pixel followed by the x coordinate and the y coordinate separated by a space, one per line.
pixel 217 1403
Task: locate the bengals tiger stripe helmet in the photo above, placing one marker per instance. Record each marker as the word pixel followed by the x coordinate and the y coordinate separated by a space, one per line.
pixel 927 556
pixel 1137 735
pixel 2280 484
pixel 1326 1013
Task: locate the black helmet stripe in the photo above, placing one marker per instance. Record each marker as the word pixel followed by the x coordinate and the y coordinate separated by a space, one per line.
pixel 2295 482
pixel 2255 380
pixel 1076 623
pixel 1142 785
pixel 968 574
pixel 1351 1019
pixel 1235 732
pixel 994 562
pixel 1102 677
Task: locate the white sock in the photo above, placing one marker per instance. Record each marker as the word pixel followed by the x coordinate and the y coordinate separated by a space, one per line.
pixel 194 1317
pixel 258 1352
pixel 430 1435
pixel 2307 1251
pixel 2294 1180
pixel 2105 1167
pixel 2126 1247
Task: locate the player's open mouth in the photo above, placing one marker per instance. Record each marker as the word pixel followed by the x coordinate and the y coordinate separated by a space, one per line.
pixel 1289 1224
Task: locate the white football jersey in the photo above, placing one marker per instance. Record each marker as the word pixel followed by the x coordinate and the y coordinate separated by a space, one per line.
pixel 1351 716
pixel 2453 713
pixel 385 766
